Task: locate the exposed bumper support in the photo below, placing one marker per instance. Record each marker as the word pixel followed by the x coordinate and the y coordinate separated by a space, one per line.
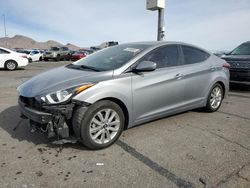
pixel 34 115
pixel 51 120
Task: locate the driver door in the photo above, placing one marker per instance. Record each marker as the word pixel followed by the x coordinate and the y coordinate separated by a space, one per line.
pixel 160 91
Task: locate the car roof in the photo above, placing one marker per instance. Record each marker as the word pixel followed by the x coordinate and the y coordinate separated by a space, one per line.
pixel 160 43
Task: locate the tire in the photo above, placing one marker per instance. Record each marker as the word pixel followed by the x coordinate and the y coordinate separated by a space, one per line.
pixel 82 122
pixel 30 60
pixel 67 57
pixel 214 101
pixel 58 58
pixel 40 59
pixel 10 65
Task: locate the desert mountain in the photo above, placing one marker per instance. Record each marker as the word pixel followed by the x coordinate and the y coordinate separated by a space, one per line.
pixel 20 41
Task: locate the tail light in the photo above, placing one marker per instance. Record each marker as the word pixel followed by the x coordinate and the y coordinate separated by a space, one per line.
pixel 23 56
pixel 226 65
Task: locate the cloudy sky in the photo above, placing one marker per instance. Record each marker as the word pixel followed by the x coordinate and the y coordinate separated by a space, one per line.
pixel 212 24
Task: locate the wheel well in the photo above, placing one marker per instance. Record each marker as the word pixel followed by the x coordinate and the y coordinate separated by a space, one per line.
pixel 123 107
pixel 223 87
pixel 10 60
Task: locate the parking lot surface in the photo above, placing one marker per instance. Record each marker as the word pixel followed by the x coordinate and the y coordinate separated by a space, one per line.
pixel 192 149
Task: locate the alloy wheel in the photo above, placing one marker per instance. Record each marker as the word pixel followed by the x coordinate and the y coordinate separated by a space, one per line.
pixel 216 97
pixel 104 126
pixel 11 65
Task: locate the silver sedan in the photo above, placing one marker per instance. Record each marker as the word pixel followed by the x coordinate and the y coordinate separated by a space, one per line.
pixel 122 86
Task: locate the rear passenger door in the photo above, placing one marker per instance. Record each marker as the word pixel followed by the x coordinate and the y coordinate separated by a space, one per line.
pixel 197 74
pixel 158 92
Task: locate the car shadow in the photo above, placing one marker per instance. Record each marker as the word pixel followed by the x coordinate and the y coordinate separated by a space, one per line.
pixel 243 88
pixel 19 129
pixel 17 69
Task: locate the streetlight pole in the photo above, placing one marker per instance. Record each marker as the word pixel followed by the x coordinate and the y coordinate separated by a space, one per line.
pixel 161 28
pixel 5 33
pixel 160 6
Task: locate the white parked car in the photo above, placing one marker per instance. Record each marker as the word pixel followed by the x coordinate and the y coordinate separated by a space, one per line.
pixel 35 55
pixel 10 60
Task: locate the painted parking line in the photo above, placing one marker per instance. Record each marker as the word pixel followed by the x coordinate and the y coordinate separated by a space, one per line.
pixel 154 166
pixel 220 136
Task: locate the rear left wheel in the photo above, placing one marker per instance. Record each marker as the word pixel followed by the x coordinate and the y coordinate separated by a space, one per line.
pixel 10 65
pixel 100 125
pixel 215 98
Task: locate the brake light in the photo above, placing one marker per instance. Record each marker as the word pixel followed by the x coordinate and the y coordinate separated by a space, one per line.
pixel 226 65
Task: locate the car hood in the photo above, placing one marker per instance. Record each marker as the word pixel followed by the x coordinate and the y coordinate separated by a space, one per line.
pixel 60 78
pixel 236 57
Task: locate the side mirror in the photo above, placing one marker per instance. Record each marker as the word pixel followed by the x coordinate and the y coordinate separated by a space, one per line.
pixel 145 66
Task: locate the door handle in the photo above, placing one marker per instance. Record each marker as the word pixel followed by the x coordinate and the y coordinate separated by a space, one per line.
pixel 179 76
pixel 212 68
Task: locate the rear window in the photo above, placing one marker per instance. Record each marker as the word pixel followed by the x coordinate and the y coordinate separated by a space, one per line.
pixel 4 51
pixel 193 55
pixel 54 49
pixel 64 48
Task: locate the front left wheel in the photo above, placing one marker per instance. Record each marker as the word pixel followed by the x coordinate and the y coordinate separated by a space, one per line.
pixel 100 125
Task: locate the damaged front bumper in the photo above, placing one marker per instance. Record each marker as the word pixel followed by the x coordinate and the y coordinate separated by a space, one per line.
pixel 54 120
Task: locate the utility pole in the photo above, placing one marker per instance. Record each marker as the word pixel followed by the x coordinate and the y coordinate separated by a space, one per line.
pixel 160 6
pixel 5 33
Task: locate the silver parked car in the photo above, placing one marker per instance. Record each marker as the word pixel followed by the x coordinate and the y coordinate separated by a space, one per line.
pixel 97 97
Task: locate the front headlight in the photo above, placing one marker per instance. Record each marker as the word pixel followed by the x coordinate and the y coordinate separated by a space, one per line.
pixel 63 95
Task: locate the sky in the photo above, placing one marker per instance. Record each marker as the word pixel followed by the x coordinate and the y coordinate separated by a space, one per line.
pixel 211 24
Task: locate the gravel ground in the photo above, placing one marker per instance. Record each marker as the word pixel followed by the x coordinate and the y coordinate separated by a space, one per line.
pixel 192 149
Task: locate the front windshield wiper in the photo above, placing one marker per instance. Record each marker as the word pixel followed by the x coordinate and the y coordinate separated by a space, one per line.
pixel 81 67
pixel 89 67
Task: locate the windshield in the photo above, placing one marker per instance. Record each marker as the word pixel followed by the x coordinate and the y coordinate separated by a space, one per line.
pixel 112 57
pixel 54 49
pixel 243 49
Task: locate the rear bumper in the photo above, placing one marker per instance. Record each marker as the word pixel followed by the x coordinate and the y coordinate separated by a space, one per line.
pixel 49 56
pixel 23 62
pixel 34 115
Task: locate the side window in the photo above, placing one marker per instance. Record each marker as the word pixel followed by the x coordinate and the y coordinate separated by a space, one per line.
pixel 35 52
pixel 4 51
pixel 166 56
pixel 64 48
pixel 193 55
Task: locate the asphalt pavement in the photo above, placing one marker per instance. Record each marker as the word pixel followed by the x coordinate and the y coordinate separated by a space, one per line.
pixel 191 149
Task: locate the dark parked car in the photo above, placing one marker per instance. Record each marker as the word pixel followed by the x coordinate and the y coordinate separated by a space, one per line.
pixel 239 60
